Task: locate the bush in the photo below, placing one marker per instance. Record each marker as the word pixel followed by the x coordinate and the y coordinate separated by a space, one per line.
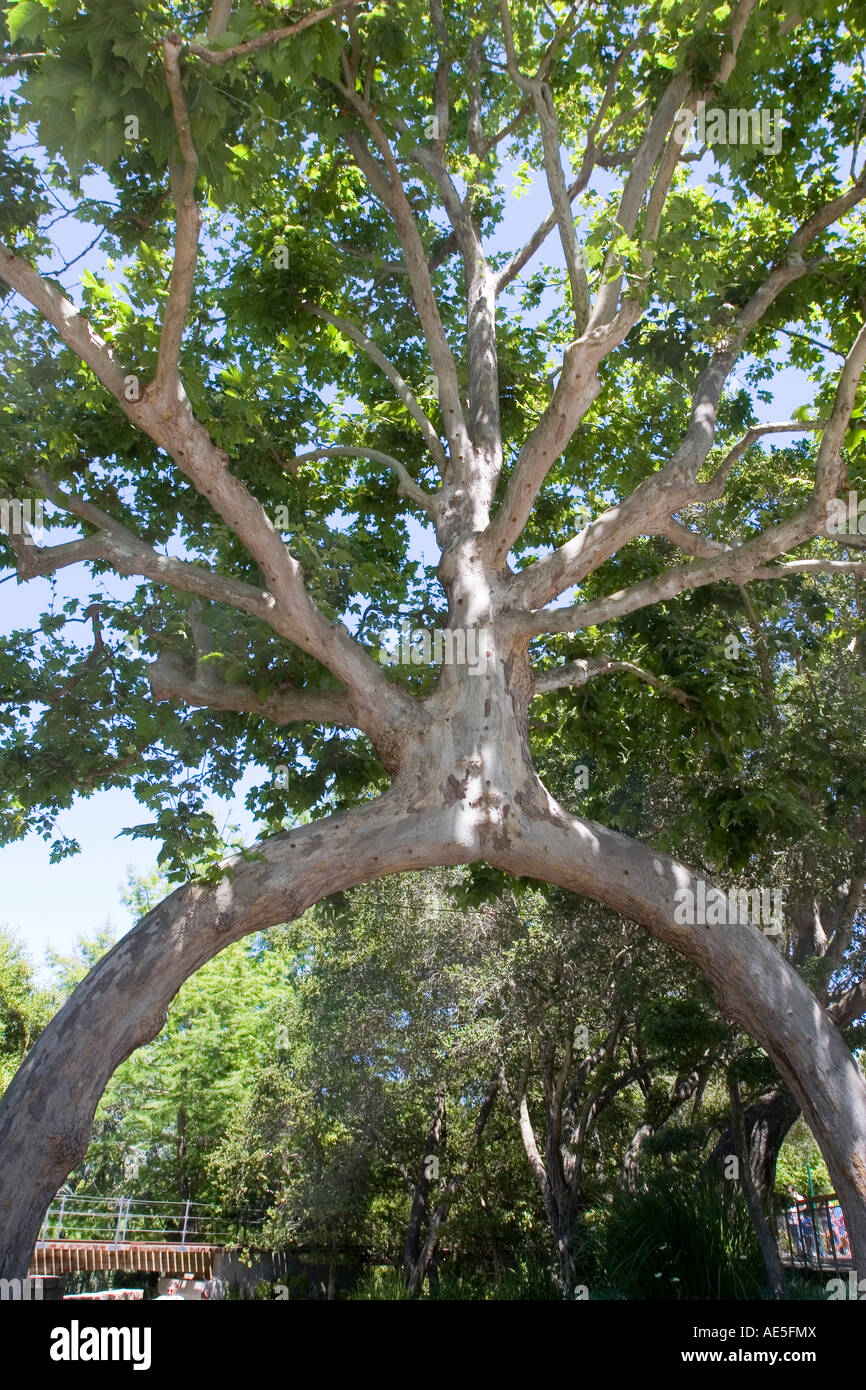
pixel 532 1280
pixel 458 1285
pixel 382 1284
pixel 676 1241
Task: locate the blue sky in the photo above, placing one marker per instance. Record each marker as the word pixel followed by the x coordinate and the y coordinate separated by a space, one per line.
pixel 50 904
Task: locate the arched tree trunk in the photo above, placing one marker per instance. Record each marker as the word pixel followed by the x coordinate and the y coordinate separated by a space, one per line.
pixel 464 786
pixel 466 791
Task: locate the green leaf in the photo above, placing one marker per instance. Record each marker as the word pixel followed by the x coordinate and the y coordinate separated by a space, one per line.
pixel 25 19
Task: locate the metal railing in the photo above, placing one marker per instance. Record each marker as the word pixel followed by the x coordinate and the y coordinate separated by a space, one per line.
pixel 813 1233
pixel 123 1220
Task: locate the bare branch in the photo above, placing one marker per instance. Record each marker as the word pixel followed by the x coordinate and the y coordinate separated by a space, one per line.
pixel 477 142
pixel 479 468
pixel 168 419
pixel 579 385
pixel 575 392
pixel 476 469
pixel 404 391
pixel 689 541
pixel 692 542
pixel 742 562
pixel 848 1006
pixel 647 510
pixel 593 155
pixel 220 18
pixel 388 186
pixel 128 554
pixel 848 541
pixel 549 125
pixel 810 567
pixel 678 96
pixel 241 50
pixel 407 488
pixel 713 490
pixel 188 223
pixel 75 330
pixel 648 154
pixel 577 673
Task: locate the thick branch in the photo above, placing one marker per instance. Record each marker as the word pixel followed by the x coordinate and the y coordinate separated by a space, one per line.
pixel 286 705
pixel 594 155
pixel 480 467
pixel 559 196
pixel 388 186
pixel 575 392
pixel 847 1007
pixel 714 489
pixel 527 1134
pixel 678 95
pixel 648 509
pixel 128 554
pixel 166 416
pixel 220 18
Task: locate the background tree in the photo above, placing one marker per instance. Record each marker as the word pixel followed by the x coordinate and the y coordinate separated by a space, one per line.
pixel 25 1007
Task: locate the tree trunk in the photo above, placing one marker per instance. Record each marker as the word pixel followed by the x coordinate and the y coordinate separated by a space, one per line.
pixel 631 1158
pixel 423 1262
pixel 418 1210
pixel 766 1238
pixel 560 1217
pixel 768 1120
pixel 417 1272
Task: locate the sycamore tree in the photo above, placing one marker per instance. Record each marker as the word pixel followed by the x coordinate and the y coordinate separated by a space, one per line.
pixel 317 330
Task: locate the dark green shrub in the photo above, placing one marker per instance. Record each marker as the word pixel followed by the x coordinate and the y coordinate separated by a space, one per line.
pixel 679 1240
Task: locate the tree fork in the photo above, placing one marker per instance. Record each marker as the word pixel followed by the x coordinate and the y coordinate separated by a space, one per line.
pixel 489 805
